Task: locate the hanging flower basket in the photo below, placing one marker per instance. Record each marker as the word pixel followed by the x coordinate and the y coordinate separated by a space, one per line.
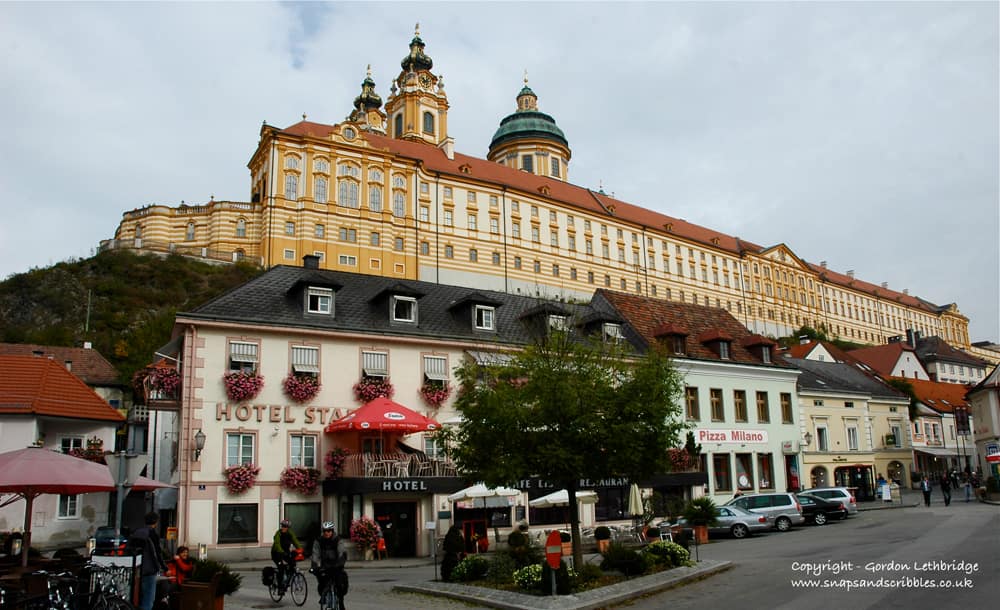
pixel 364 533
pixel 241 478
pixel 368 389
pixel 301 388
pixel 300 479
pixel 242 386
pixel 166 380
pixel 681 460
pixel 335 461
pixel 435 394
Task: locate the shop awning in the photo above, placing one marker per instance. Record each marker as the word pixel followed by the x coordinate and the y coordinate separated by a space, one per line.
pixel 937 452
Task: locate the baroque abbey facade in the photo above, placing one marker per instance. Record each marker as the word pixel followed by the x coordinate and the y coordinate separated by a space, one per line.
pixel 384 193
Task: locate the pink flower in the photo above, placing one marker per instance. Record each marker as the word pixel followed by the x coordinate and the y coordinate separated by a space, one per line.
pixel 335 460
pixel 364 533
pixel 435 394
pixel 300 479
pixel 242 386
pixel 370 388
pixel 301 388
pixel 241 478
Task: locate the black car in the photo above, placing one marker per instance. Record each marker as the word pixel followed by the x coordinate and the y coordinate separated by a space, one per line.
pixel 108 542
pixel 819 511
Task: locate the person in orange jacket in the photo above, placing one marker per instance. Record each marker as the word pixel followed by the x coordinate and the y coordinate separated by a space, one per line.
pixel 181 566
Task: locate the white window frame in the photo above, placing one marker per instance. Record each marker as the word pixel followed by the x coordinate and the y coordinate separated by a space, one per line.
pixel 74 442
pixel 69 506
pixel 348 260
pixel 305 360
pixel 822 436
pixel 236 446
pixel 291 186
pixel 853 442
pixel 374 364
pixel 558 322
pixel 397 301
pixel 302 450
pixel 436 369
pixel 319 300
pixel 484 317
pixel 612 332
pixel 246 353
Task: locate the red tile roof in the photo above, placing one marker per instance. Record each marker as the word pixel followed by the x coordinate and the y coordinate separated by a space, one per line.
pixel 942 397
pixel 87 364
pixel 433 159
pixel 39 386
pixel 881 358
pixel 647 316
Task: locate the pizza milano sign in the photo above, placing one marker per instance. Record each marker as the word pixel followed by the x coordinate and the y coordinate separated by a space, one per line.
pixel 732 436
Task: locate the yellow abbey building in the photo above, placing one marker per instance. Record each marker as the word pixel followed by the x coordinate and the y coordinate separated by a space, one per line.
pixel 384 193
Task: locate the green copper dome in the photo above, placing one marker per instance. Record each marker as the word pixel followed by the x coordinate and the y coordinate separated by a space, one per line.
pixel 417 59
pixel 528 124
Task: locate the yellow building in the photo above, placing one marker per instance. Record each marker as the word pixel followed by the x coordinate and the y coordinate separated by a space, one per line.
pixel 384 192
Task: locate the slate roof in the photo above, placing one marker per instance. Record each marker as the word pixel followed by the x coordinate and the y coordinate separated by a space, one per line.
pixel 433 159
pixel 932 349
pixel 40 386
pixel 942 397
pixel 838 376
pixel 646 317
pixel 443 312
pixel 87 364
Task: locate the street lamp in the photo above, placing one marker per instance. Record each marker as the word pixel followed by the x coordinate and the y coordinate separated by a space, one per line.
pixel 199 444
pixel 808 438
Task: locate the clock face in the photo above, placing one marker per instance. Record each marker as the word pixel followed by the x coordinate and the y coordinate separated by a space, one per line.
pixel 425 80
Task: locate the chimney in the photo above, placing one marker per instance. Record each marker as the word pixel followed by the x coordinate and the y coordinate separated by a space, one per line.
pixel 885 285
pixel 69 365
pixel 822 264
pixel 310 261
pixel 803 339
pixel 906 291
pixel 910 337
pixel 87 345
pixel 850 273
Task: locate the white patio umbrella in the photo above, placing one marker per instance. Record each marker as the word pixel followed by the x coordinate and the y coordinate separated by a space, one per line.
pixel 480 491
pixel 561 498
pixel 635 501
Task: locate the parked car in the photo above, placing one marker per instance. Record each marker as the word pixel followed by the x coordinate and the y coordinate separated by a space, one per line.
pixel 819 511
pixel 783 508
pixel 732 520
pixel 840 494
pixel 108 542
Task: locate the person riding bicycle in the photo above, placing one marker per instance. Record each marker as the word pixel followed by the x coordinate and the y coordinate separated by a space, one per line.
pixel 283 549
pixel 328 558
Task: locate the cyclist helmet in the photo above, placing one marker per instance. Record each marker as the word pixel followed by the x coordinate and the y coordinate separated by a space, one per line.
pixel 328 526
pixel 285 523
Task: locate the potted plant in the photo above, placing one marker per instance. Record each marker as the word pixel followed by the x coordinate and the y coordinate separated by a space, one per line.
pixel 602 534
pixel 301 387
pixel 241 478
pixel 335 461
pixel 435 394
pixel 370 388
pixel 300 479
pixel 364 535
pixel 209 582
pixel 241 385
pixel 700 513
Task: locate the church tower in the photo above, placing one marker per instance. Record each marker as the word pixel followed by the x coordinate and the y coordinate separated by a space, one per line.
pixel 417 108
pixel 530 140
pixel 367 113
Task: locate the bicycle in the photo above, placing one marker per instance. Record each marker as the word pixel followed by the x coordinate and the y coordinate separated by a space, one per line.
pixel 295 584
pixel 109 587
pixel 328 597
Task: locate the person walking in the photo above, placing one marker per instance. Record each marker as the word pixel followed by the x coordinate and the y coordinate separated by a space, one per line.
pixel 329 556
pixel 946 489
pixel 282 549
pixel 925 486
pixel 967 484
pixel 146 541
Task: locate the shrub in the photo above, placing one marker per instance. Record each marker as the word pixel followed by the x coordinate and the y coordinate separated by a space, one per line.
pixel 523 554
pixel 602 532
pixel 589 573
pixel 565 579
pixel 472 567
pixel 667 553
pixel 502 567
pixel 230 581
pixel 701 511
pixel 529 578
pixel 517 539
pixel 623 559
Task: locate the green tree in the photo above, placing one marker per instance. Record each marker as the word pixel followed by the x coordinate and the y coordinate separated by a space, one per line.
pixel 565 409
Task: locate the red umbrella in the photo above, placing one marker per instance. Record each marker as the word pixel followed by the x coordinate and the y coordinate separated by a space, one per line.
pixel 29 473
pixel 383 414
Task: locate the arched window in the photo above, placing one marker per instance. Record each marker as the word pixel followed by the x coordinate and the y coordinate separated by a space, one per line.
pixel 375 198
pixel 399 125
pixel 190 232
pixel 428 123
pixel 348 195
pixel 398 204
pixel 241 227
pixel 321 189
pixel 138 231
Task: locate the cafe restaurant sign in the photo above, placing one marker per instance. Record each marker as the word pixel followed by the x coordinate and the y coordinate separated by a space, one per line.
pixel 736 436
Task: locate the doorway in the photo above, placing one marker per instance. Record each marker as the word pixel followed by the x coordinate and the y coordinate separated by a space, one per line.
pixel 398 521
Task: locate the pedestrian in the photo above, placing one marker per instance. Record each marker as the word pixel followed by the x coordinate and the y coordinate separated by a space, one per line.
pixel 946 489
pixel 925 486
pixel 967 483
pixel 146 541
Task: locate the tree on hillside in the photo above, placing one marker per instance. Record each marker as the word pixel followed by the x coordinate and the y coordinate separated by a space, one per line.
pixel 564 409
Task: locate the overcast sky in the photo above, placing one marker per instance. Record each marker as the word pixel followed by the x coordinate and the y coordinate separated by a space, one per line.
pixel 862 134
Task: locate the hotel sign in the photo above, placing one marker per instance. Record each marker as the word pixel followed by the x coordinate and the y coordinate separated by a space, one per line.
pixel 732 436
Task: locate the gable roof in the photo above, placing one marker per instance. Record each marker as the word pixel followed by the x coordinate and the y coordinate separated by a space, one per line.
pixel 942 397
pixel 40 386
pixel 87 364
pixel 932 349
pixel 647 316
pixel 839 376
pixel 881 358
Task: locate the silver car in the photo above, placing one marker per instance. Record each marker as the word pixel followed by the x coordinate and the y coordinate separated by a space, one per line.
pixel 783 508
pixel 732 520
pixel 836 494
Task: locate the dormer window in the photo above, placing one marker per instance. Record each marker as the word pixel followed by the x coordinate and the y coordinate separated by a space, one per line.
pixel 319 300
pixel 674 337
pixel 724 350
pixel 760 346
pixel 612 332
pixel 485 317
pixel 718 341
pixel 765 354
pixel 557 322
pixel 403 309
pixel 678 344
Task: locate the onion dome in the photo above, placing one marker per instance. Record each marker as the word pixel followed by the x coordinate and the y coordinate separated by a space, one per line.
pixel 368 100
pixel 416 60
pixel 528 122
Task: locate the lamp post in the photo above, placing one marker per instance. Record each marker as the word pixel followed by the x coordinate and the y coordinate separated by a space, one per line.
pixel 125 469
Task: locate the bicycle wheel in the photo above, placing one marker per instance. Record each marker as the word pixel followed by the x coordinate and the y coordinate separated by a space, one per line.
pixel 275 590
pixel 299 588
pixel 111 602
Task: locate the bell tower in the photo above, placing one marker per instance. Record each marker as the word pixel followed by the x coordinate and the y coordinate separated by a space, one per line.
pixel 367 111
pixel 417 107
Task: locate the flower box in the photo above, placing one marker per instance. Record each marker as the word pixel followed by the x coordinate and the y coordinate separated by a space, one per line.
pixel 242 386
pixel 240 479
pixel 335 461
pixel 435 394
pixel 370 388
pixel 300 479
pixel 301 387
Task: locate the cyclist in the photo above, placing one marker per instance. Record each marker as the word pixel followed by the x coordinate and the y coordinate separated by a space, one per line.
pixel 328 558
pixel 283 549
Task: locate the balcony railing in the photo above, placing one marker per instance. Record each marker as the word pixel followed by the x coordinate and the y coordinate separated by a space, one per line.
pixel 396 465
